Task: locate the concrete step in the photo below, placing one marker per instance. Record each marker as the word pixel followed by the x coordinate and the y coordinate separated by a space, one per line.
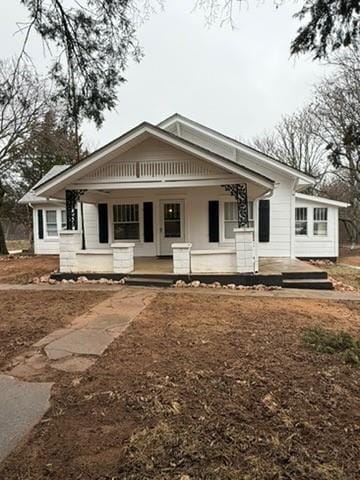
pixel 315 284
pixel 311 275
pixel 148 281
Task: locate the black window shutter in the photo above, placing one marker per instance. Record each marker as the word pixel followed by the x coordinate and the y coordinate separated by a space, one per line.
pixel 148 222
pixel 40 224
pixel 103 223
pixel 264 220
pixel 213 221
pixel 76 219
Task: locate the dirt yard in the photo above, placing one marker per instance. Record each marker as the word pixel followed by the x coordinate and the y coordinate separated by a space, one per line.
pixel 354 260
pixel 342 273
pixel 18 269
pixel 25 317
pixel 206 387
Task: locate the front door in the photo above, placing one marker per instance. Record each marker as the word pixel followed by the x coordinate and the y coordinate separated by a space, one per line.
pixel 171 224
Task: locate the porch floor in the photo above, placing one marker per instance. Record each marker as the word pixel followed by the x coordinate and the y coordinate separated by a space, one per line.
pixel 267 265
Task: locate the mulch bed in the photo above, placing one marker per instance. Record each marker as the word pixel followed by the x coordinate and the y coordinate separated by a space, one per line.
pixel 206 387
pixel 26 317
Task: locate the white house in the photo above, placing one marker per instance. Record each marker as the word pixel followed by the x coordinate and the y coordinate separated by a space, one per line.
pixel 182 190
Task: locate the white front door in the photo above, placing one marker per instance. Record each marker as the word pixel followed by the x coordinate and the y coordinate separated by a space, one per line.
pixel 171 224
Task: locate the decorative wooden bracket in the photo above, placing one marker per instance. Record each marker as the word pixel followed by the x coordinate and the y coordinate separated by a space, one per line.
pixel 239 192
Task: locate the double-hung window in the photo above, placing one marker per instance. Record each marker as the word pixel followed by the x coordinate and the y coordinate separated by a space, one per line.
pixel 301 221
pixel 51 223
pixel 63 220
pixel 320 221
pixel 126 222
pixel 231 218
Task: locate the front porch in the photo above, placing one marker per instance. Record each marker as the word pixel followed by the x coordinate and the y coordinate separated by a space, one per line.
pixel 273 271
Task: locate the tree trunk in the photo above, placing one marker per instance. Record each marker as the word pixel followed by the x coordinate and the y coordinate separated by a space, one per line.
pixel 3 247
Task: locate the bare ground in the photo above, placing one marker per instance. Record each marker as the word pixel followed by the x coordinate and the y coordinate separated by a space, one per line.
pixel 26 317
pixel 346 274
pixel 351 260
pixel 22 269
pixel 206 387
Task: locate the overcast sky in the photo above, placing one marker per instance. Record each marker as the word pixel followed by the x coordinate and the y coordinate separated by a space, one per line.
pixel 237 81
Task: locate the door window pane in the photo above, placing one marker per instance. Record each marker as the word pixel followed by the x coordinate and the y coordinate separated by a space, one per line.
pixel 172 220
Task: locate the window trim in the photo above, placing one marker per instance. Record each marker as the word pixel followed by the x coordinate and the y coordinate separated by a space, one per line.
pixel 137 202
pixel 326 222
pixel 224 200
pixel 302 235
pixel 46 235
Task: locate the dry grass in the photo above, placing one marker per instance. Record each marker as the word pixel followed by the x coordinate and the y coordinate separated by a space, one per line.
pixel 203 388
pixel 26 317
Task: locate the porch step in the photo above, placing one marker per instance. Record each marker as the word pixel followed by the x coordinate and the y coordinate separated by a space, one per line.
pixel 310 275
pixel 148 281
pixel 308 283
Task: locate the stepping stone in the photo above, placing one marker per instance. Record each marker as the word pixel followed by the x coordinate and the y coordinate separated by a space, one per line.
pixel 82 342
pixel 73 364
pixel 22 405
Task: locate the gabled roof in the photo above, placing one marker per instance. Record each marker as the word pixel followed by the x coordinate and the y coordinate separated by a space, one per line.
pixel 134 137
pixel 239 145
pixel 31 197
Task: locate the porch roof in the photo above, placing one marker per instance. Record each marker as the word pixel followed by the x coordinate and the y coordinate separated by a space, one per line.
pixel 128 140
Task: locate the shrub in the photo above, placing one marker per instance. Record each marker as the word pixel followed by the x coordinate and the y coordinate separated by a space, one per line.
pixel 325 341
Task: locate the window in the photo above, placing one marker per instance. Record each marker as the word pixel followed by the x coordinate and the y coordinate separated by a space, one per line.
pixel 172 220
pixel 63 219
pixel 51 223
pixel 301 226
pixel 231 218
pixel 320 221
pixel 126 222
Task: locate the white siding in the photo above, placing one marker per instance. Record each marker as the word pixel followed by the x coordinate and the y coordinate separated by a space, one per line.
pixel 311 245
pixel 280 202
pixel 46 245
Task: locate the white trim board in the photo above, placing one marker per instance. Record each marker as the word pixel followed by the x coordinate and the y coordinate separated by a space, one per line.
pixel 323 200
pixel 134 137
pixel 238 145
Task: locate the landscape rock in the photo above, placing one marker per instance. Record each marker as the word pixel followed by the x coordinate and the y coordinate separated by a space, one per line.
pixel 52 281
pixel 82 279
pixel 195 283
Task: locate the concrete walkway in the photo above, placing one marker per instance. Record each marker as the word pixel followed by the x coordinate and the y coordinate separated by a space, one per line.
pixel 71 349
pixel 282 293
pixel 76 347
pixel 22 406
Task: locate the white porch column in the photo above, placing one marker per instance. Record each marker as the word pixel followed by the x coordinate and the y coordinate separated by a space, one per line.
pixel 70 243
pixel 181 258
pixel 245 250
pixel 123 257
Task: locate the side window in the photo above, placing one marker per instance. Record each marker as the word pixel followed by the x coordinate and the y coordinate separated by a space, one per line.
pixel 51 223
pixel 301 221
pixel 320 221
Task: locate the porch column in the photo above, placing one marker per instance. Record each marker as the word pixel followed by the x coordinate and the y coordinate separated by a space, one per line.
pixel 181 258
pixel 70 244
pixel 123 257
pixel 245 250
